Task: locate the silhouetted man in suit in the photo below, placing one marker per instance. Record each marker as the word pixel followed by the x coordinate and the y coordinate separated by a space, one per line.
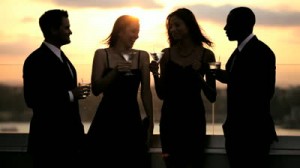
pixel 50 88
pixel 250 77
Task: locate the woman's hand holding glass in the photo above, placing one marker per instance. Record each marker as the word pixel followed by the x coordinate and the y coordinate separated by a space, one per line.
pixel 128 58
pixel 154 65
pixel 156 56
pixel 124 67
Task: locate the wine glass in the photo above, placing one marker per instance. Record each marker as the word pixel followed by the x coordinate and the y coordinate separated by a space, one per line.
pixel 156 56
pixel 128 58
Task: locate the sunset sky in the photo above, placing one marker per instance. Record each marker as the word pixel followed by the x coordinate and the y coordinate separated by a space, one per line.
pixel 278 24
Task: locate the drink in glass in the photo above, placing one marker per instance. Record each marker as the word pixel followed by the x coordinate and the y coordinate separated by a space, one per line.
pixel 86 88
pixel 156 56
pixel 214 66
pixel 128 58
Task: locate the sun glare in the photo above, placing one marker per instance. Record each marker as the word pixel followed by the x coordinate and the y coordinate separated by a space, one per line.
pixel 148 18
pixel 152 27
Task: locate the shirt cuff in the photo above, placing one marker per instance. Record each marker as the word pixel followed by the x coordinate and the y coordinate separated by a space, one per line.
pixel 71 96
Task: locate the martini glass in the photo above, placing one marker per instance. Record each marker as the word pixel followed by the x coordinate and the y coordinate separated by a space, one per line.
pixel 156 56
pixel 128 58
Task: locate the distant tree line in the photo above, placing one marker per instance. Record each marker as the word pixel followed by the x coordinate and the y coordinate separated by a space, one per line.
pixel 285 106
pixel 12 105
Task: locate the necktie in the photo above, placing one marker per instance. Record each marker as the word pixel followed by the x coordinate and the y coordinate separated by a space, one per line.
pixel 234 55
pixel 65 61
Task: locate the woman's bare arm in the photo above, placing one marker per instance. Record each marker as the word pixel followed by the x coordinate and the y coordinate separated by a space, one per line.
pixel 98 80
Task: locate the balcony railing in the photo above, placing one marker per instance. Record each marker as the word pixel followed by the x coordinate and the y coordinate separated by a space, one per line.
pixel 15 117
pixel 285 153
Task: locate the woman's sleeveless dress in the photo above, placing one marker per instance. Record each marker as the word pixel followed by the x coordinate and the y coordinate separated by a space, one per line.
pixel 183 123
pixel 116 134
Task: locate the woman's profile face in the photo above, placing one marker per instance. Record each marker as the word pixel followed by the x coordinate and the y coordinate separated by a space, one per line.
pixel 178 28
pixel 130 34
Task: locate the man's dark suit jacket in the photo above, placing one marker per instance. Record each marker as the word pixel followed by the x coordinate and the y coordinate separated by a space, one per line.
pixel 250 88
pixel 56 124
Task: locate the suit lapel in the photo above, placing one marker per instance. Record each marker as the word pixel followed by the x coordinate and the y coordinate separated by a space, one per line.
pixel 230 63
pixel 237 55
pixel 69 65
pixel 65 67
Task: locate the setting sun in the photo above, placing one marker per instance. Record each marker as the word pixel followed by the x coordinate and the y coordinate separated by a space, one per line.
pixel 152 24
pixel 148 18
pixel 92 22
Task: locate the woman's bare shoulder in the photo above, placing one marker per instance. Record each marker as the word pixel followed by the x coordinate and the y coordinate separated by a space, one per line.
pixel 208 55
pixel 166 54
pixel 100 53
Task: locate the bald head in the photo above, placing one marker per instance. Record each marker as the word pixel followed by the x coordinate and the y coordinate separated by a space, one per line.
pixel 240 23
pixel 243 16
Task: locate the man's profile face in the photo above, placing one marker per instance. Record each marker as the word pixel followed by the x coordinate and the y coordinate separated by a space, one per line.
pixel 232 27
pixel 63 33
pixel 239 24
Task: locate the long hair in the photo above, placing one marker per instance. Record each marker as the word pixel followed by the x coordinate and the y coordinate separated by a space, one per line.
pixel 120 24
pixel 190 21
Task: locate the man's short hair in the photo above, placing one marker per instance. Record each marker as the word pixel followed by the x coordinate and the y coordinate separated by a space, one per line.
pixel 51 20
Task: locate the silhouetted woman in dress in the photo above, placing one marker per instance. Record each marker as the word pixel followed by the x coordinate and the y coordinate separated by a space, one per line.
pixel 116 136
pixel 184 74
